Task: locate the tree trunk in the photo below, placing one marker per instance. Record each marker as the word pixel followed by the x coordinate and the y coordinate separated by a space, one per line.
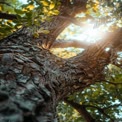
pixel 33 81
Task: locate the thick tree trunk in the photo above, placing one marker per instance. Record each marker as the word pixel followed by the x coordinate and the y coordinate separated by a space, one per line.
pixel 26 86
pixel 33 81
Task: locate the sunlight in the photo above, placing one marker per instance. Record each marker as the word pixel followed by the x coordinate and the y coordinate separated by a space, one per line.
pixel 23 1
pixel 90 34
pixel 93 33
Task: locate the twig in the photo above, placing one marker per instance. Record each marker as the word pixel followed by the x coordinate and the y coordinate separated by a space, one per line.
pixel 8 16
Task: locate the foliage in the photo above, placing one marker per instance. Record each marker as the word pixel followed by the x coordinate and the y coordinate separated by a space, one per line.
pixel 112 10
pixel 30 14
pixel 65 52
pixel 68 114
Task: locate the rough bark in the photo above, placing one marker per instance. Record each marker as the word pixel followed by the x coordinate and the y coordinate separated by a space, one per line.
pixel 33 81
pixel 69 43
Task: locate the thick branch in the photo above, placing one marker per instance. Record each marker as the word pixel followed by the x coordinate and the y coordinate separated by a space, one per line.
pixel 69 43
pixel 72 20
pixel 8 16
pixel 60 22
pixel 117 40
pixel 113 40
pixel 81 109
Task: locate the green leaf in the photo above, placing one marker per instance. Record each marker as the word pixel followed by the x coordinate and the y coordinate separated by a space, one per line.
pixel 19 11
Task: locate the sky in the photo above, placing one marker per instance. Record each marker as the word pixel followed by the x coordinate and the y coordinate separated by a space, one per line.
pixel 23 1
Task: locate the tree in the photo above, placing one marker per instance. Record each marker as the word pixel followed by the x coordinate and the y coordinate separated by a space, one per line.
pixel 33 80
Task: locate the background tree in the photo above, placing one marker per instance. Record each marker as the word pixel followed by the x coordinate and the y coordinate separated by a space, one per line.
pixel 33 81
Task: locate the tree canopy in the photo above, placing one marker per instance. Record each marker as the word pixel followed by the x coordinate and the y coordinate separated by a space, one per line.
pixel 101 101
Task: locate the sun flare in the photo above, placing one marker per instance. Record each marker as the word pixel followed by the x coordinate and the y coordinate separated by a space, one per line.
pixel 88 34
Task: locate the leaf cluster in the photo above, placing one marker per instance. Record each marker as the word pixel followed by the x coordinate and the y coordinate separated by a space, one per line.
pixel 30 15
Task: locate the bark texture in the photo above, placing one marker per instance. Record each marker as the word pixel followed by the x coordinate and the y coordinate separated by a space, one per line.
pixel 33 81
pixel 25 91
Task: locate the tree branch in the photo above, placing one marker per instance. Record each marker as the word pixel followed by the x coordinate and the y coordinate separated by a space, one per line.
pixel 112 106
pixel 72 20
pixel 7 16
pixel 113 40
pixel 60 25
pixel 101 110
pixel 69 43
pixel 112 83
pixel 81 109
pixel 116 38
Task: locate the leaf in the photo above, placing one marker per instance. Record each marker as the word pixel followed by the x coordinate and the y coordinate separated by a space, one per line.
pixel 55 12
pixel 45 10
pixel 45 3
pixel 18 11
pixel 0 8
pixel 41 30
pixel 9 22
pixel 52 5
pixel 30 7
